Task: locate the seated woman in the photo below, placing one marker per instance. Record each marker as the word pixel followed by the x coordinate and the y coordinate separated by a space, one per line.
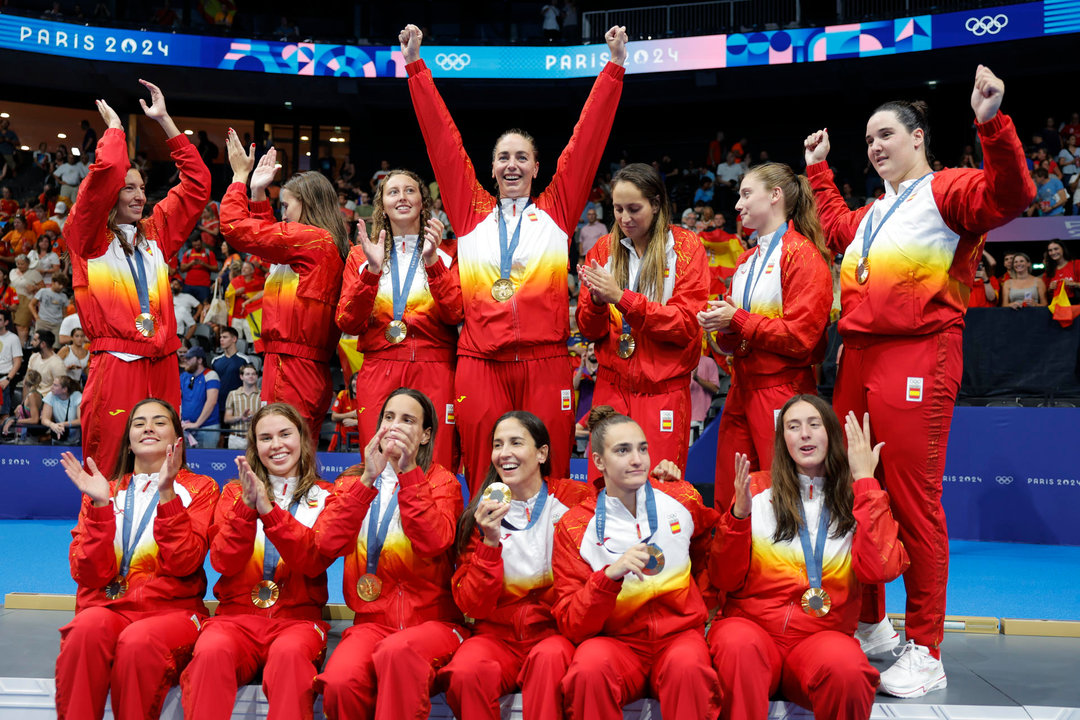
pixel 137 556
pixel 792 557
pixel 504 579
pixel 273 578
pixel 27 412
pixel 624 586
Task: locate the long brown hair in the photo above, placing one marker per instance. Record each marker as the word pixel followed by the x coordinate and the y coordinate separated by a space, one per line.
pixel 125 459
pixel 799 204
pixel 380 222
pixel 307 470
pixel 654 263
pixel 786 491
pixel 319 206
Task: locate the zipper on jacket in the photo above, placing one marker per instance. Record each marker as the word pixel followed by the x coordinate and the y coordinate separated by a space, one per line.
pixel 787 617
pixel 517 325
pixel 401 608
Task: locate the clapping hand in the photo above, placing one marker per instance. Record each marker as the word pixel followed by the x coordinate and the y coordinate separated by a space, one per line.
pixel 92 484
pixel 743 500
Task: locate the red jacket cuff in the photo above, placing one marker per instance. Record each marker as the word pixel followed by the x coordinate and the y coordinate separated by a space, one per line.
pixel 739 320
pixel 411 478
pixel 260 207
pixel 817 168
pixel 614 70
pixel 175 143
pixel 628 300
pixel 369 277
pixel 415 67
pixel 603 582
pixel 119 131
pixel 246 513
pixel 274 517
pixel 237 187
pixel 99 514
pixel 168 509
pixel 436 269
pixel 865 485
pixel 485 552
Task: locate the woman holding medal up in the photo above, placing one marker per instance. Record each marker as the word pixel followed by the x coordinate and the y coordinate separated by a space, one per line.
pixel 625 588
pixel 512 260
pixel 273 577
pixel 642 287
pixel 909 263
pixel 791 554
pixel 504 578
pixel 120 274
pixel 308 249
pixel 137 556
pixel 406 321
pixel 774 321
pixel 394 521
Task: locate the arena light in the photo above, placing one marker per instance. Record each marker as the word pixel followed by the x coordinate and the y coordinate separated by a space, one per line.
pixel 62 136
pixel 24 148
pixel 188 132
pixel 76 151
pixel 4 115
pixel 307 154
pixel 304 138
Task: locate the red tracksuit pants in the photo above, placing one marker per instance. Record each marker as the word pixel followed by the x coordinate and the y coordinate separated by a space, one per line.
pixel 486 389
pixel 304 384
pixel 662 411
pixel 400 664
pixel 909 386
pixel 113 386
pixel 748 425
pixel 486 667
pixel 607 673
pixel 229 653
pixel 138 655
pixel 378 378
pixel 826 672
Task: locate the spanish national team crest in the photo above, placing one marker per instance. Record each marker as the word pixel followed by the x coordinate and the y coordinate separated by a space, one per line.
pixel 667 421
pixel 673 522
pixel 914 389
pixel 532 216
pixel 567 400
pixel 449 413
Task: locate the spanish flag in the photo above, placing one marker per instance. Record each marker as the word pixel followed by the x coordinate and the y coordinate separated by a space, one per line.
pixel 351 358
pixel 254 320
pixel 723 250
pixel 1061 308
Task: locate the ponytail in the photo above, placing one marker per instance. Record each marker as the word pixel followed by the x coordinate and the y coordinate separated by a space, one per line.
pixel 800 207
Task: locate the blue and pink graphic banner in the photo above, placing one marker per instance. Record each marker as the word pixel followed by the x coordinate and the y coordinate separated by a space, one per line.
pixel 711 52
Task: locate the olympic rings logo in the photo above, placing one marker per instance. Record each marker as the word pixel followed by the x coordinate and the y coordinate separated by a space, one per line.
pixel 50 462
pixel 219 466
pixel 452 61
pixel 986 25
pixel 1004 479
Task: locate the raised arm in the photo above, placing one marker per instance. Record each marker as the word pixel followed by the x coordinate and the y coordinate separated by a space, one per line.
pixel 84 229
pixel 837 219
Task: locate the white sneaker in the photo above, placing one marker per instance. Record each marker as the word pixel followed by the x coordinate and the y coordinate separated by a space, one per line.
pixel 876 638
pixel 915 673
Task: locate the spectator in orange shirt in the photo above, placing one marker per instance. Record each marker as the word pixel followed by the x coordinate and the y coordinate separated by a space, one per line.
pixel 197 264
pixel 984 291
pixel 1060 268
pixel 248 289
pixel 20 240
pixel 8 205
pixel 343 413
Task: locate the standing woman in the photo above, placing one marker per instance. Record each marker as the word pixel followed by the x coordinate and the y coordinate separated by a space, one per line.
pixel 642 287
pixel 504 580
pixel 137 556
pixel 394 521
pixel 625 590
pixel 909 262
pixel 1023 289
pixel 774 321
pixel 791 558
pixel 308 249
pixel 405 318
pixel 1060 268
pixel 513 253
pixel 120 274
pixel 273 578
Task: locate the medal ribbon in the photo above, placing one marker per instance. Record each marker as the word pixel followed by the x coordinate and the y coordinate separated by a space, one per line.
pixel 141 286
pixel 815 558
pixel 270 553
pixel 129 519
pixel 633 288
pixel 870 234
pixel 538 510
pixel 601 515
pixel 507 248
pixel 376 531
pixel 751 285
pixel 401 295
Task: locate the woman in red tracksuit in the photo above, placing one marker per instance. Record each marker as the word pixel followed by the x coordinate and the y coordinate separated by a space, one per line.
pixel 120 273
pixel 273 578
pixel 774 321
pixel 137 556
pixel 394 521
pixel 406 321
pixel 512 261
pixel 624 587
pixel 308 249
pixel 791 559
pixel 908 266
pixel 642 287
pixel 504 580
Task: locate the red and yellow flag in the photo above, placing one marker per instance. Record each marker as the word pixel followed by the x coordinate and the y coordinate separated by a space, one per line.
pixel 723 250
pixel 1061 308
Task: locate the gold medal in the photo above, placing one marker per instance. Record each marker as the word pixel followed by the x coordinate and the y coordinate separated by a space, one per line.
pixel 627 345
pixel 862 271
pixel 144 323
pixel 396 331
pixel 497 492
pixel 116 588
pixel 502 290
pixel 265 594
pixel 655 565
pixel 369 587
pixel 816 602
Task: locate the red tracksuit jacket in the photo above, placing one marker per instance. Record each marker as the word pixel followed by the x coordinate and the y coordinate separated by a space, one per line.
pixel 104 288
pixel 507 591
pixel 166 570
pixel 923 261
pixel 303 286
pixel 538 315
pixel 765 580
pixel 667 334
pixel 416 563
pixel 236 551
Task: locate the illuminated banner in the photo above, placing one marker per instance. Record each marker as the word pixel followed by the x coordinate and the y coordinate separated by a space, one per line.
pixel 776 47
pixel 1041 229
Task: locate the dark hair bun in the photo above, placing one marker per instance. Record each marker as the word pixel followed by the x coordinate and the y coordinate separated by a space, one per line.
pixel 598 414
